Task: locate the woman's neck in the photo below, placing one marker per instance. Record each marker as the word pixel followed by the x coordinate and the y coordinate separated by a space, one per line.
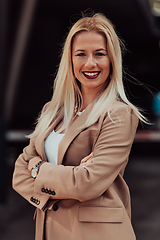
pixel 88 97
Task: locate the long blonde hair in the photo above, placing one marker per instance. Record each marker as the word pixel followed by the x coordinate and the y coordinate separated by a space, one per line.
pixel 67 93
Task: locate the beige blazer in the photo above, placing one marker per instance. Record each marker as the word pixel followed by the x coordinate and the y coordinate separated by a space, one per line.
pixel 91 202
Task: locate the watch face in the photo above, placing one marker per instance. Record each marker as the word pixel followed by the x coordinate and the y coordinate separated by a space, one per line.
pixel 34 172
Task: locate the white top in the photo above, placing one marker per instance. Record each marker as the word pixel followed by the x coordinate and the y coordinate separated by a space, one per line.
pixel 51 146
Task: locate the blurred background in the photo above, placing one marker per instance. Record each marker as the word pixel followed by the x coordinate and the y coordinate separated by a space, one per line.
pixel 32 33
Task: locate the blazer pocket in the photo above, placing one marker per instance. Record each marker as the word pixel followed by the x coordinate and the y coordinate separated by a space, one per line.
pixel 101 214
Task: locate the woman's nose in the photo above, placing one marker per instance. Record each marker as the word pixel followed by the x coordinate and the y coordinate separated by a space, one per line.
pixel 90 62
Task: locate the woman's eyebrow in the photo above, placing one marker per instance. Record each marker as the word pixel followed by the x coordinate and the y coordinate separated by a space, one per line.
pixel 101 49
pixel 81 50
pixel 97 50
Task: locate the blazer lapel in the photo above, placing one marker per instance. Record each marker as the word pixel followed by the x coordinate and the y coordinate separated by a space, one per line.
pixel 72 132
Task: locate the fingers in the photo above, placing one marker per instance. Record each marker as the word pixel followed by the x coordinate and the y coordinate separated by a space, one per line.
pixel 87 158
pixel 85 163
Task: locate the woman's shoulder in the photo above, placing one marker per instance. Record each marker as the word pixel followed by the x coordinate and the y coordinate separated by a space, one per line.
pixel 121 110
pixel 120 106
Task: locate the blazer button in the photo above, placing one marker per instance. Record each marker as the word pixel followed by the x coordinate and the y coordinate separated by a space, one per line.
pixel 38 202
pixel 50 192
pixel 53 193
pixel 55 207
pixel 46 190
pixel 31 199
pixel 43 189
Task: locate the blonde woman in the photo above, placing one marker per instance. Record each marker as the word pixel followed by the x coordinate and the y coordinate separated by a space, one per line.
pixel 72 170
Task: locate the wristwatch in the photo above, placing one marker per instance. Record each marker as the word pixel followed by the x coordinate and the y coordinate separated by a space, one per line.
pixel 35 169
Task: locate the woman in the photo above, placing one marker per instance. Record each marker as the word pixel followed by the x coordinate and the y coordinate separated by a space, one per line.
pixel 72 170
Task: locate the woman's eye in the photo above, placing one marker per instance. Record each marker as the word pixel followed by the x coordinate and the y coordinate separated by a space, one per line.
pixel 100 54
pixel 80 54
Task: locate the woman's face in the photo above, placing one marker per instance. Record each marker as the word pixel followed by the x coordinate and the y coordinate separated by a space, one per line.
pixel 90 61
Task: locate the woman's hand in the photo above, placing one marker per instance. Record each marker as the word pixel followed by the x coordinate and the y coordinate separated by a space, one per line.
pixel 33 162
pixel 86 160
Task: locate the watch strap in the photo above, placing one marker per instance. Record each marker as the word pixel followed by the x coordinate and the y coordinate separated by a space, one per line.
pixel 36 168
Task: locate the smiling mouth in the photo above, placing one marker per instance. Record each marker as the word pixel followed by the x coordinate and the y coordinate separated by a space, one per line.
pixel 91 75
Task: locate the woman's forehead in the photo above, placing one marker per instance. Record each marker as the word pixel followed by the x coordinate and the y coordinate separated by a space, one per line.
pixel 89 39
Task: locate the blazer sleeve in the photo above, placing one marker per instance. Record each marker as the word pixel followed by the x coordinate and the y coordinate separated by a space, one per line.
pixel 110 154
pixel 22 181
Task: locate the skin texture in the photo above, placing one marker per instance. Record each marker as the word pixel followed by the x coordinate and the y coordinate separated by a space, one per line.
pixel 89 55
